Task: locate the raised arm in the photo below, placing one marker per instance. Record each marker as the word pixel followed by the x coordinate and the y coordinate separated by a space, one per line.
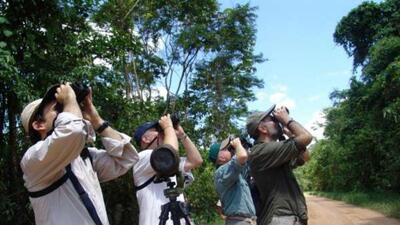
pixel 301 136
pixel 119 154
pixel 45 161
pixel 228 174
pixel 169 132
pixel 305 154
pixel 90 113
pixel 241 153
pixel 194 159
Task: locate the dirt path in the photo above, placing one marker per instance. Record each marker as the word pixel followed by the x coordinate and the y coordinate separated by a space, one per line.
pixel 324 211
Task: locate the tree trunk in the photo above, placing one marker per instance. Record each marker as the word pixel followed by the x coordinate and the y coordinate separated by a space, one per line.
pixel 128 87
pixel 12 139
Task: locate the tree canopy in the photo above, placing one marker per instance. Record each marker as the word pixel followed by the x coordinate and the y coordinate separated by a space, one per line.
pixel 126 50
pixel 361 149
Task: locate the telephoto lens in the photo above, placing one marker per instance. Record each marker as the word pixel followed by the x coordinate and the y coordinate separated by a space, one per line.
pixel 165 161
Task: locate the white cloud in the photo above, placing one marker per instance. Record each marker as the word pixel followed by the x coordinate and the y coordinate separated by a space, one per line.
pixel 275 77
pixel 281 99
pixel 158 91
pixel 316 125
pixel 162 91
pixel 277 97
pixel 102 62
pixel 261 96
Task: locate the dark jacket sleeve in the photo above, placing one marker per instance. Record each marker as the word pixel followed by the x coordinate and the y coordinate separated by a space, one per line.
pixel 273 154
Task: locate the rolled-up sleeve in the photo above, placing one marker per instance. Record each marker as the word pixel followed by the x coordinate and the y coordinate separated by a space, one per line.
pixel 227 174
pixel 117 158
pixel 273 154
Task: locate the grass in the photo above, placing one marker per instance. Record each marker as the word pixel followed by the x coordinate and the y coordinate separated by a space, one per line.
pixel 219 221
pixel 384 202
pixel 216 220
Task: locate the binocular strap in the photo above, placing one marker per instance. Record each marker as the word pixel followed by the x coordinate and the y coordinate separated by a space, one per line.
pixel 77 186
pixel 140 187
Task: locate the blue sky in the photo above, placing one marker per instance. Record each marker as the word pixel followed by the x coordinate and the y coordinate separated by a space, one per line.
pixel 304 64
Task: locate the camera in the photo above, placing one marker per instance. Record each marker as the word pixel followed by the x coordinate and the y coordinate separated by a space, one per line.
pixel 175 122
pixel 81 91
pixel 227 143
pixel 164 159
pixel 280 135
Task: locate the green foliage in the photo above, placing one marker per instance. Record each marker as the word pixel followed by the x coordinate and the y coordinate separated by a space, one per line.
pixel 362 129
pixel 363 26
pixel 139 44
pixel 222 84
pixel 202 195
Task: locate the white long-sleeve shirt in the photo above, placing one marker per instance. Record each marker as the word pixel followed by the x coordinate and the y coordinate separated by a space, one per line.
pixel 151 197
pixel 45 162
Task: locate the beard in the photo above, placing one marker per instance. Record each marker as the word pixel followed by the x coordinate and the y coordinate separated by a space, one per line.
pixel 276 132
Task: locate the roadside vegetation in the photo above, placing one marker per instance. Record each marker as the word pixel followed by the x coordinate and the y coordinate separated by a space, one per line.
pixel 387 203
pixel 358 161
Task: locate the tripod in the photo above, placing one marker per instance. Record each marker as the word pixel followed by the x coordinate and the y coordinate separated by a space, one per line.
pixel 178 209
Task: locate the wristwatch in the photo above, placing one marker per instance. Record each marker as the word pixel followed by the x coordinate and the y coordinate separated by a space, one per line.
pixel 102 127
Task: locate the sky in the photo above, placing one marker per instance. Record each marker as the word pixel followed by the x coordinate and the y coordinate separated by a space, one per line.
pixel 304 65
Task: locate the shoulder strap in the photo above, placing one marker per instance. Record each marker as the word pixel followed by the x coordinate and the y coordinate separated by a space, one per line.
pixel 52 187
pixel 84 196
pixel 86 154
pixel 140 187
pixel 77 186
pixel 36 194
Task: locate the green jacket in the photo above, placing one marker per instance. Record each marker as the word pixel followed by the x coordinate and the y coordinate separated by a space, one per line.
pixel 271 165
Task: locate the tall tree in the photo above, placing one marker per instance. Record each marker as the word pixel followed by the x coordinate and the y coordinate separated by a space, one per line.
pixel 222 84
pixel 363 125
pixel 124 49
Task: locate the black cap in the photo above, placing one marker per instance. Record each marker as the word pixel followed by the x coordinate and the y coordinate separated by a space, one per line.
pixel 142 129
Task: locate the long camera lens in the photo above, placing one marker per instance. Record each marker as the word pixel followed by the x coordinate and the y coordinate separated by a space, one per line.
pixel 165 161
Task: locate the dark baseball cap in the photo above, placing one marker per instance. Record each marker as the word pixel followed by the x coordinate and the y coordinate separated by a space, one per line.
pixel 254 120
pixel 213 152
pixel 142 129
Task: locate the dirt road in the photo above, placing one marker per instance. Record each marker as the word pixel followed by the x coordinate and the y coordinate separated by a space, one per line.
pixel 323 211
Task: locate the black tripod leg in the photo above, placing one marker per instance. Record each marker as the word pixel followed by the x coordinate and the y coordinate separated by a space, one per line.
pixel 184 212
pixel 174 213
pixel 187 220
pixel 164 214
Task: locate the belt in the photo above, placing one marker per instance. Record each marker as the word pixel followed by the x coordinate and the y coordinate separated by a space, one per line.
pixel 252 220
pixel 292 218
